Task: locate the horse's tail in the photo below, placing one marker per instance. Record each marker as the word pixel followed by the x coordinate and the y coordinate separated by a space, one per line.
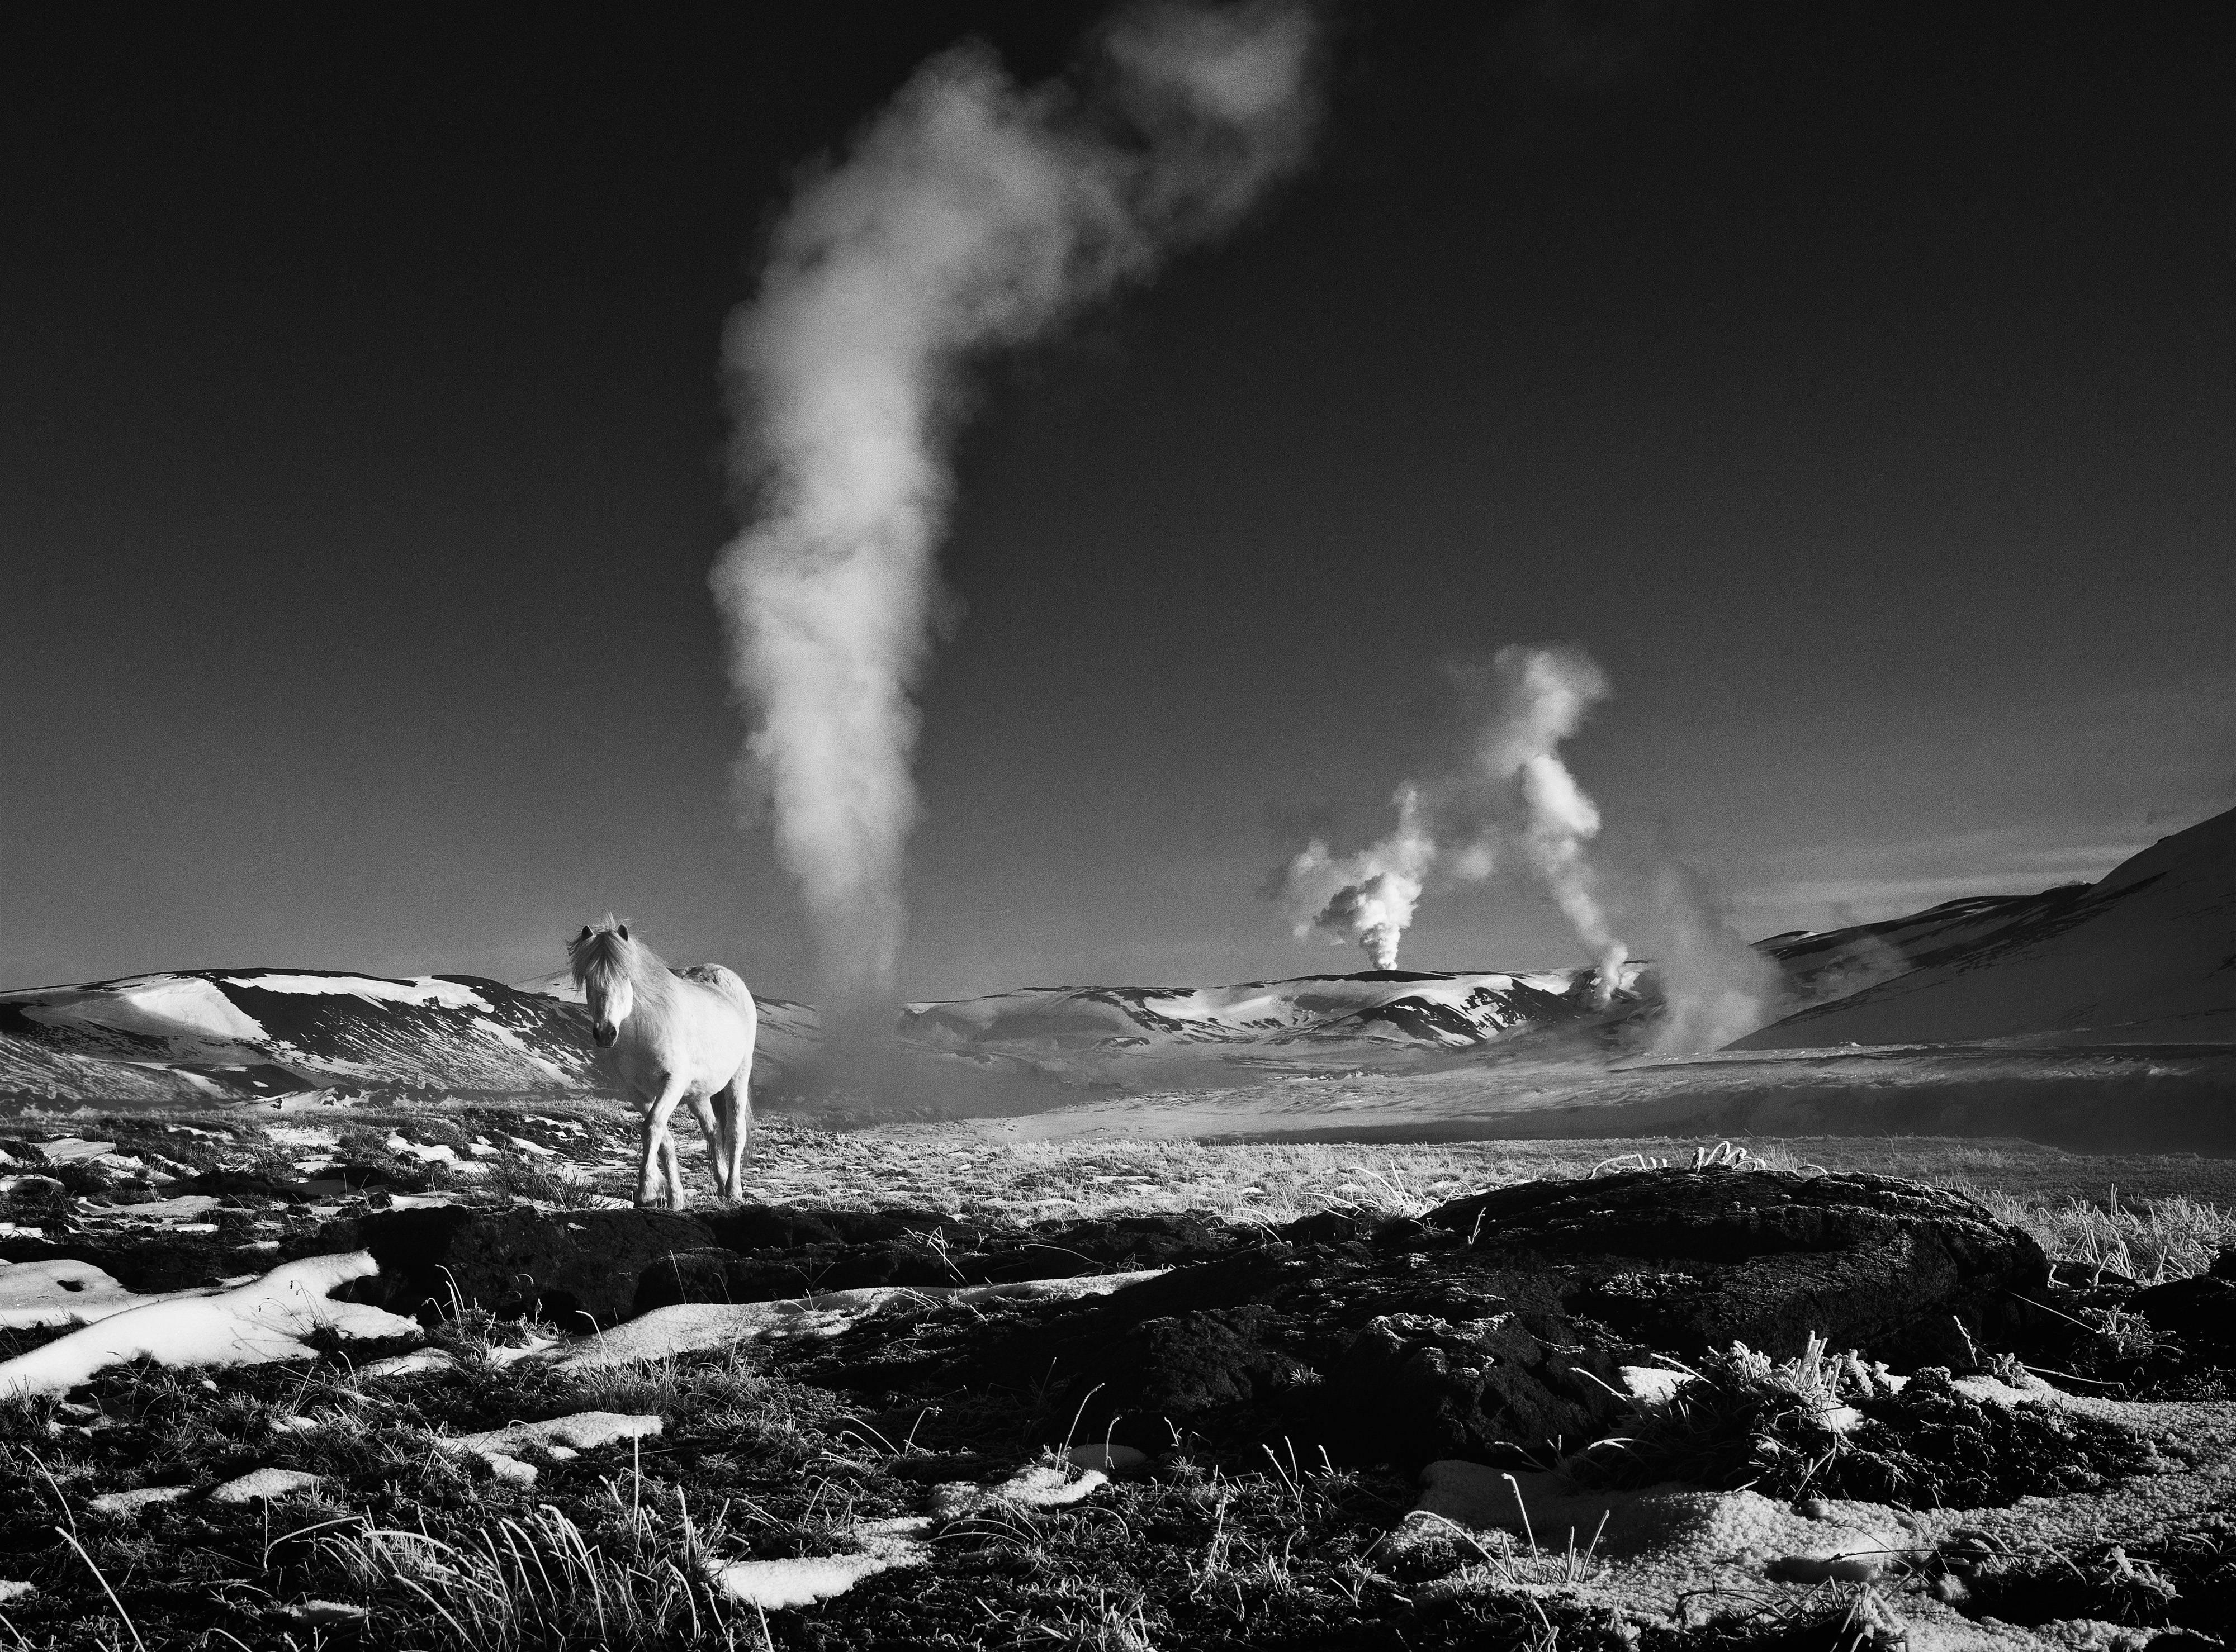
pixel 724 982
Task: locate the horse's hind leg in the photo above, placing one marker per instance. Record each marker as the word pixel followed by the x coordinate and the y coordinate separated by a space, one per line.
pixel 737 1108
pixel 709 1112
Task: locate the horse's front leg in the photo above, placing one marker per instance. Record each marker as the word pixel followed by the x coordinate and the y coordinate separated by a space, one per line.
pixel 655 1133
pixel 677 1197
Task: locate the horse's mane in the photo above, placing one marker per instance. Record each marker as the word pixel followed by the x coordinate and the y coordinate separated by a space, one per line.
pixel 607 952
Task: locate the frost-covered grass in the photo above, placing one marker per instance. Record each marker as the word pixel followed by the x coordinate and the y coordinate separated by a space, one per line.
pixel 2161 1239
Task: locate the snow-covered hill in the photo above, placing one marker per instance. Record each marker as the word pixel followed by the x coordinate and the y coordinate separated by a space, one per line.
pixel 218 1034
pixel 213 1034
pixel 1311 1016
pixel 2147 955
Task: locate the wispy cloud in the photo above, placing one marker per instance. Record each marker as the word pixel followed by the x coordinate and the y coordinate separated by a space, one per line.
pixel 1839 883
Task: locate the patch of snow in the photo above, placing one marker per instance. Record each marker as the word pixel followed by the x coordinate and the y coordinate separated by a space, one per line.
pixel 64 1291
pixel 300 1135
pixel 263 1320
pixel 161 1006
pixel 267 1485
pixel 72 1149
pixel 409 1365
pixel 16 1589
pixel 322 1614
pixel 1044 1485
pixel 560 1437
pixel 683 1328
pixel 435 1153
pixel 124 1505
pixel 423 989
pixel 185 1207
pixel 773 1585
pixel 1650 1384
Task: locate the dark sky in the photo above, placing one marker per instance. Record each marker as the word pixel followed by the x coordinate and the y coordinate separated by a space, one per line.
pixel 1856 382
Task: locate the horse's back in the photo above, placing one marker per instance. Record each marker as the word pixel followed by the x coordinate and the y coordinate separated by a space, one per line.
pixel 724 983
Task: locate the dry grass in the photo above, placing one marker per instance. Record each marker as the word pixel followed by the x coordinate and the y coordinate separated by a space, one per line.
pixel 540 1582
pixel 2169 1238
pixel 971 1170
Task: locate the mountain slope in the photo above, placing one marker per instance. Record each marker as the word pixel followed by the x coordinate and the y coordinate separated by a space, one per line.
pixel 2147 955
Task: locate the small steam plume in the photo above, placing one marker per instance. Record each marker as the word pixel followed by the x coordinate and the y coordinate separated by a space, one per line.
pixel 1512 799
pixel 1368 897
pixel 972 213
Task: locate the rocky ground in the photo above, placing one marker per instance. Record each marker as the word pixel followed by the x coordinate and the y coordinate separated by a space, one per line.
pixel 944 1389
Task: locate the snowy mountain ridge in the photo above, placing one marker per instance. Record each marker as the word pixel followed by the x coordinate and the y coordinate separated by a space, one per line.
pixel 1389 1006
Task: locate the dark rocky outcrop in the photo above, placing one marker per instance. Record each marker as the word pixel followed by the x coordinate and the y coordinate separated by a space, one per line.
pixel 1496 1323
pixel 1696 1259
pixel 566 1268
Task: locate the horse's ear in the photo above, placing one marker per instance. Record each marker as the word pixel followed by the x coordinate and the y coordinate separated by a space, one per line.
pixel 584 936
pixel 622 929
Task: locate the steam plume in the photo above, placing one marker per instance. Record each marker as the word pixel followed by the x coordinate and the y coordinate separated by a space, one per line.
pixel 1532 699
pixel 970 213
pixel 1375 891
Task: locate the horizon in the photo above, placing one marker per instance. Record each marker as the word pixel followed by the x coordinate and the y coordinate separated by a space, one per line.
pixel 1575 971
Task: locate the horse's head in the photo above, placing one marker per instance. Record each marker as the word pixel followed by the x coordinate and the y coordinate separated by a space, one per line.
pixel 600 957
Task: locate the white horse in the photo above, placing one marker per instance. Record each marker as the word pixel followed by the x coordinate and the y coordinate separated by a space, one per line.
pixel 674 1032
